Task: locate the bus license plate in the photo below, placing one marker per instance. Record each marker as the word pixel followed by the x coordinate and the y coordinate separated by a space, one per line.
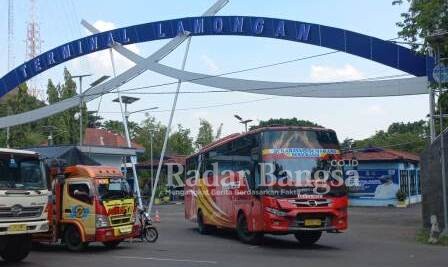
pixel 313 222
pixel 17 228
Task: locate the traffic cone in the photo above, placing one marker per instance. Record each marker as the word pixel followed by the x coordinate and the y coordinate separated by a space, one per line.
pixel 157 217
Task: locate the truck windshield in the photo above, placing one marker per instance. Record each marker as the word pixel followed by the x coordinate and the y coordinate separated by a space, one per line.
pixel 21 173
pixel 299 155
pixel 113 188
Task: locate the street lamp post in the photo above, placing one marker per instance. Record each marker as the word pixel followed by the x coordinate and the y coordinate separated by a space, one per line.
pixel 245 122
pixel 81 100
pixel 436 40
pixel 151 138
pixel 126 100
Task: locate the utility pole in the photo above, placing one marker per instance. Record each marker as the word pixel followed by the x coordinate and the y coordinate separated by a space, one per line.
pixel 8 131
pixel 10 34
pixel 10 53
pixel 81 103
pixel 151 135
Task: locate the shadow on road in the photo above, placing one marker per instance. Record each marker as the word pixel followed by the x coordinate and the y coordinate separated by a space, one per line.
pixel 269 241
pixel 95 247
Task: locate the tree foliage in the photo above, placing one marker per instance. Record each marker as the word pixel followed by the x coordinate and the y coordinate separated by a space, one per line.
pixel 205 134
pixel 180 141
pixel 66 124
pixel 118 127
pixel 285 122
pixel 422 19
pixel 411 137
pixel 27 134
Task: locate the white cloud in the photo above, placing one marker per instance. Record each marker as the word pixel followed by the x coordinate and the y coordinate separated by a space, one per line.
pixel 333 74
pixel 209 63
pixel 375 110
pixel 100 62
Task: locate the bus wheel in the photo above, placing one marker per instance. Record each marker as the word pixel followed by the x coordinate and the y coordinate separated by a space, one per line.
pixel 112 244
pixel 244 234
pixel 17 248
pixel 72 239
pixel 203 228
pixel 308 238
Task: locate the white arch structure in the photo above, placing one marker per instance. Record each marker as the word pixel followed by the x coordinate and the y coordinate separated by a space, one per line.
pixel 349 89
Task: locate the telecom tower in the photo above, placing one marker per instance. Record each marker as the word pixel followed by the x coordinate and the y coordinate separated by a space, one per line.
pixel 33 44
pixel 10 34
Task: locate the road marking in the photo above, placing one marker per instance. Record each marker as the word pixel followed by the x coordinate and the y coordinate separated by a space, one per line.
pixel 165 259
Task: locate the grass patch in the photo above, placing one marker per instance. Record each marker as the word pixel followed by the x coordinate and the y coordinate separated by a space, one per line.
pixel 423 236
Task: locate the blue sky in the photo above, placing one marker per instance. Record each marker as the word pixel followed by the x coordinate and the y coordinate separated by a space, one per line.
pixel 355 118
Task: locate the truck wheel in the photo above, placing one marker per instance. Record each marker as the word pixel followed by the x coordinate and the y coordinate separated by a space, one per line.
pixel 112 244
pixel 203 228
pixel 308 238
pixel 244 235
pixel 72 239
pixel 17 249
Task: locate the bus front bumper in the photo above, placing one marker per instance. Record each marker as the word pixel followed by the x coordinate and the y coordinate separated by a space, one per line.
pixel 328 220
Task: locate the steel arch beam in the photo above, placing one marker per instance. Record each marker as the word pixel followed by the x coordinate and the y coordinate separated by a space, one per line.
pixel 368 47
pixel 378 88
pixel 96 91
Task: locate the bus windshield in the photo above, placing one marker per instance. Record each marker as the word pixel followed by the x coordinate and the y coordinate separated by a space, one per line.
pixel 113 188
pixel 23 173
pixel 299 155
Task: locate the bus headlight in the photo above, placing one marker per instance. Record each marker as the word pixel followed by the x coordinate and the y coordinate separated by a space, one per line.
pixel 276 212
pixel 101 221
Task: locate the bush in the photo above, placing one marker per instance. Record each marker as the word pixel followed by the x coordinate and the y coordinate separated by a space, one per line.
pixel 401 195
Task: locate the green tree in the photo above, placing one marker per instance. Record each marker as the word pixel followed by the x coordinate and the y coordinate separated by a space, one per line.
pixel 118 127
pixel 180 141
pixel 205 134
pixel 347 144
pixel 421 20
pixel 147 128
pixel 66 123
pixel 23 135
pixel 94 120
pixel 285 122
pixel 411 137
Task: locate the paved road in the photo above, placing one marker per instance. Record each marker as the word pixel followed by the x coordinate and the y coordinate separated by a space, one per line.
pixel 377 237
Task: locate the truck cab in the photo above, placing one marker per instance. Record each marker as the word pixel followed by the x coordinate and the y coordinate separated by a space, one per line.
pixel 23 201
pixel 91 204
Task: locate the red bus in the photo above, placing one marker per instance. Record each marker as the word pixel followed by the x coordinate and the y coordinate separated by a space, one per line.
pixel 271 180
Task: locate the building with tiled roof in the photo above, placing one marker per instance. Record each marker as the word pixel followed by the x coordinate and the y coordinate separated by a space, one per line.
pixel 382 172
pixel 106 138
pixel 381 154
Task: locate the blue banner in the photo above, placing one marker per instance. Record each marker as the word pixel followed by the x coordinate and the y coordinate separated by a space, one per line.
pixel 376 184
